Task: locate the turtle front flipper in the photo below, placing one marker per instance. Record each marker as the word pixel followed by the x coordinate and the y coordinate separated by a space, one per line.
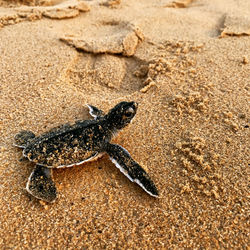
pixel 95 112
pixel 22 138
pixel 41 185
pixel 130 168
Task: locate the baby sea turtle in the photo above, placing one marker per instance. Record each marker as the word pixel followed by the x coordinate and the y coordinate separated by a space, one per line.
pixel 70 145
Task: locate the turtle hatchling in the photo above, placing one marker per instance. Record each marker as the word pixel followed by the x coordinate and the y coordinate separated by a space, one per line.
pixel 71 145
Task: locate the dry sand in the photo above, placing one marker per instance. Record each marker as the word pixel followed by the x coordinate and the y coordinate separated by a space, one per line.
pixel 187 64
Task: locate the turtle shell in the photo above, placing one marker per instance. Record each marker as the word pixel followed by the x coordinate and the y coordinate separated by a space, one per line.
pixel 68 145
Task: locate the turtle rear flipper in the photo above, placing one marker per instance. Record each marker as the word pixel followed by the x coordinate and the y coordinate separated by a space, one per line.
pixel 41 185
pixel 23 137
pixel 95 112
pixel 130 168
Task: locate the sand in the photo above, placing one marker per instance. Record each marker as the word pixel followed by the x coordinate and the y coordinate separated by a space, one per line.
pixel 187 64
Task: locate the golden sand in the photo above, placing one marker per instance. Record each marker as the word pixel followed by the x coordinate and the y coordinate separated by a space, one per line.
pixel 187 65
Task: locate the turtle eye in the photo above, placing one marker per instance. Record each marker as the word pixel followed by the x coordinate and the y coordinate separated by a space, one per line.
pixel 129 112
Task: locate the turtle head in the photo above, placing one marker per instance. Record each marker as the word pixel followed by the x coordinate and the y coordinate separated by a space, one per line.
pixel 122 114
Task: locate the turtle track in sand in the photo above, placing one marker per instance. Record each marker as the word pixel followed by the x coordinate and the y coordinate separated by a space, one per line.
pixel 106 58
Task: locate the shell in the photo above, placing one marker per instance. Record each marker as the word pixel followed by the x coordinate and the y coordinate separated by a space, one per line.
pixel 68 145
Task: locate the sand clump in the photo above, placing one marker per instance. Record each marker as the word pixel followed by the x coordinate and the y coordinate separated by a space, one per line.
pixel 124 42
pixel 67 9
pixel 236 26
pixel 200 168
pixel 179 4
pixel 111 3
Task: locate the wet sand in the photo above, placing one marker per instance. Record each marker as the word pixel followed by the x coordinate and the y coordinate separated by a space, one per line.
pixel 187 65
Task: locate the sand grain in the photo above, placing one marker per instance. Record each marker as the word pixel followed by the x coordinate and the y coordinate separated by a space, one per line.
pixel 191 131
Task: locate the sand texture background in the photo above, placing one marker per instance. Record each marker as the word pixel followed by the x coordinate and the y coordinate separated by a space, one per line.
pixel 187 64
